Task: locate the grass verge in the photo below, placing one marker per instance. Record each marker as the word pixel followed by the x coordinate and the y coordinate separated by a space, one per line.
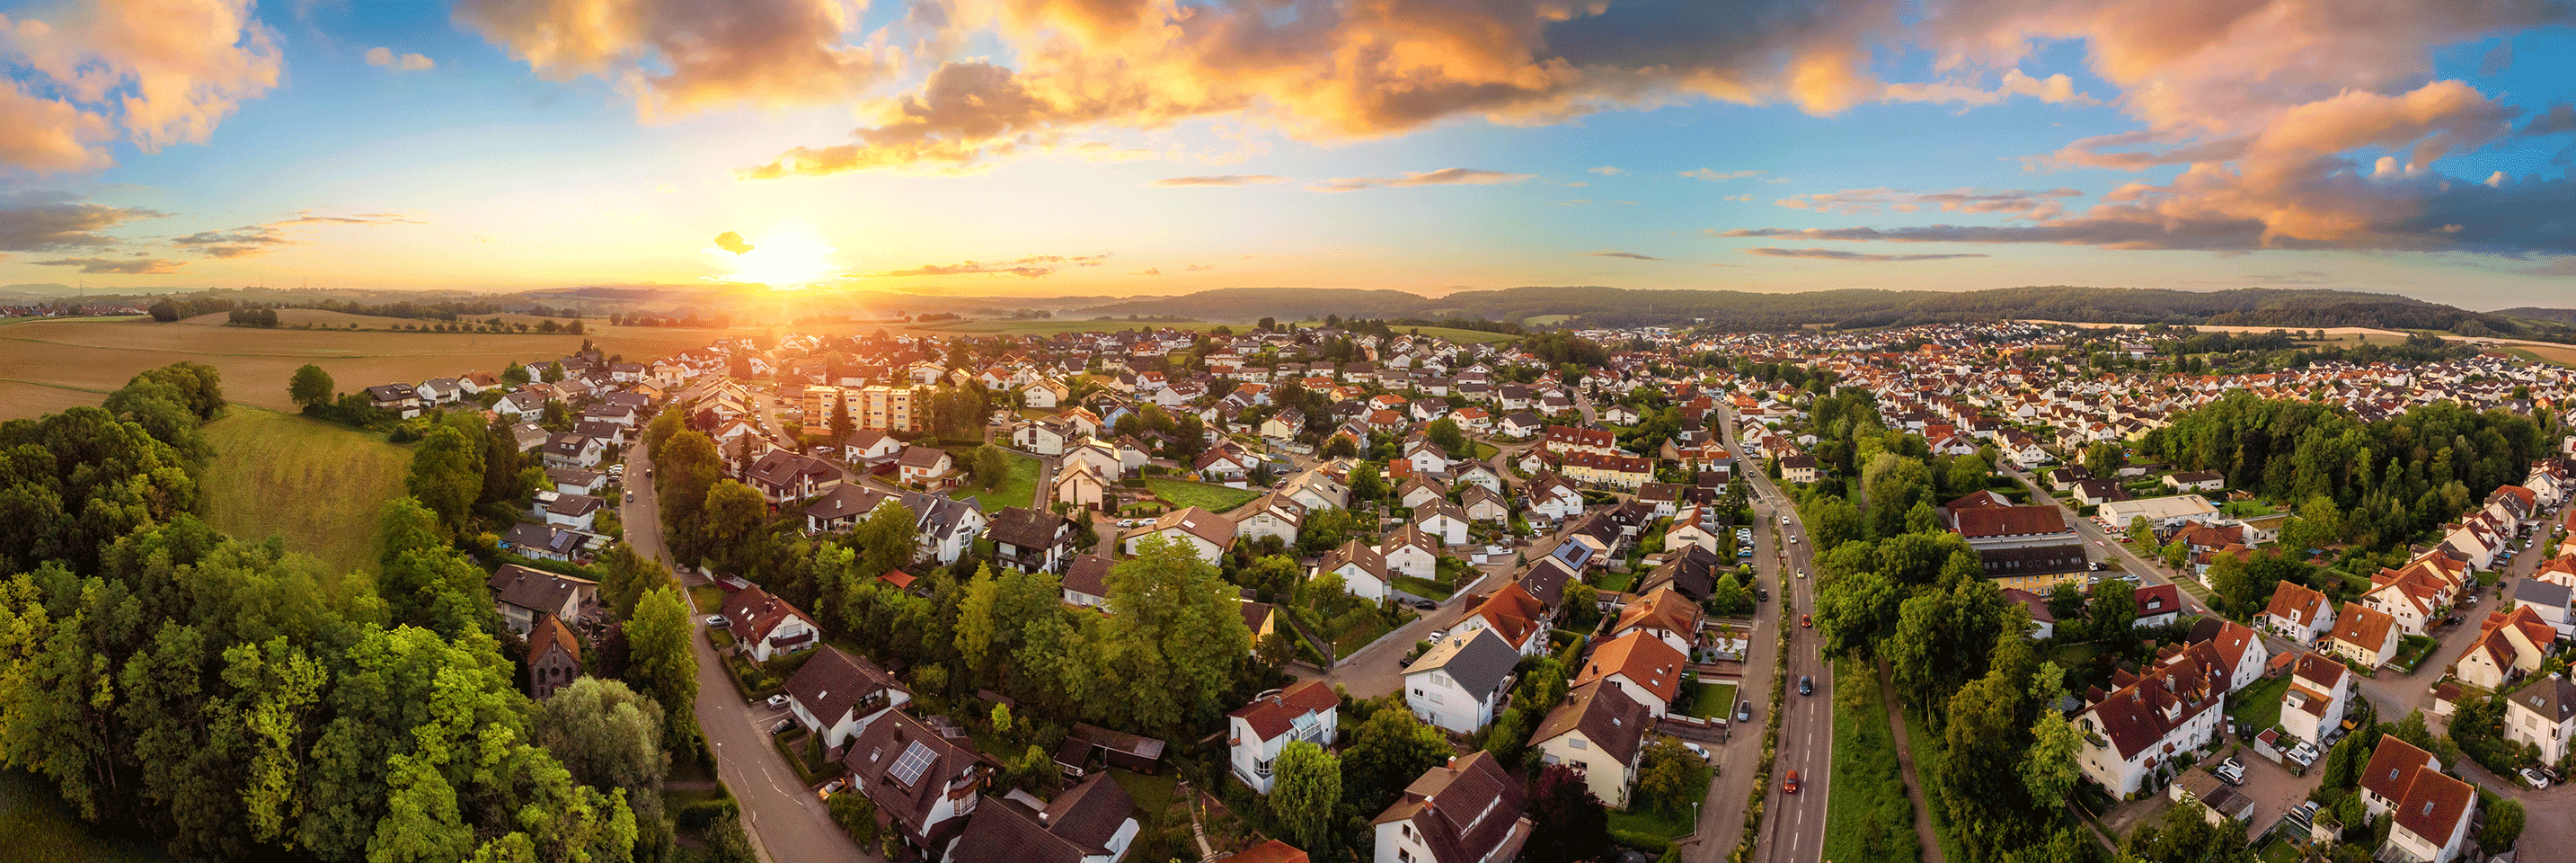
pixel 1425 588
pixel 1868 817
pixel 1712 700
pixel 1927 762
pixel 322 487
pixel 1213 498
pixel 1018 489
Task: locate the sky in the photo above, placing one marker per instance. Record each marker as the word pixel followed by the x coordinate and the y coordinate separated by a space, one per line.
pixel 1133 147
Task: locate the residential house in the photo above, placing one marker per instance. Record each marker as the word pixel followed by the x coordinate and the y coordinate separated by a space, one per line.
pixel 837 695
pixel 2509 646
pixel 574 450
pixel 1080 484
pixel 1639 662
pixel 523 596
pixel 919 465
pixel 2298 613
pixel 1458 682
pixel 1516 615
pixel 843 506
pixel 1032 540
pixel 1362 569
pixel 1665 614
pixel 1442 519
pixel 765 626
pixel 2430 811
pixel 573 511
pixel 2158 605
pixel 1274 515
pixel 2195 480
pixel 2365 635
pixel 554 657
pixel 2321 689
pixel 1092 822
pixel 1467 811
pixel 401 399
pixel 1086 582
pixel 1207 534
pixel 1411 552
pixel 1600 731
pixel 2543 715
pixel 945 527
pixel 924 786
pixel 542 541
pixel 1799 469
pixel 1306 711
pixel 782 476
pixel 2147 722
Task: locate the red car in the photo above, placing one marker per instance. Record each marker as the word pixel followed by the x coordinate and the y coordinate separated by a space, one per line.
pixel 1792 786
pixel 1806 620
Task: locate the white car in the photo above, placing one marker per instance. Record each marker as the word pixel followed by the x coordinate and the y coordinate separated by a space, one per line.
pixel 779 700
pixel 718 620
pixel 1695 749
pixel 2534 777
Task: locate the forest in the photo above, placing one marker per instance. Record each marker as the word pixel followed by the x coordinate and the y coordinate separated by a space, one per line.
pixel 230 699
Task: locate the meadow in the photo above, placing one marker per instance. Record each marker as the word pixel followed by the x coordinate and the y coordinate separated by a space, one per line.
pixel 50 365
pixel 320 486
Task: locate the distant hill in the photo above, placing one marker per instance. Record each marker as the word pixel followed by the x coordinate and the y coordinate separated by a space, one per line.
pixel 2564 316
pixel 35 291
pixel 1248 304
pixel 1605 306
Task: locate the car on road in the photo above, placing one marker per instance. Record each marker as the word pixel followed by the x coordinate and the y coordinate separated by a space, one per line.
pixel 1792 785
pixel 782 727
pixel 2534 777
pixel 630 497
pixel 1761 594
pixel 1744 711
pixel 648 473
pixel 1802 573
pixel 718 621
pixel 1425 604
pixel 1806 620
pixel 779 700
pixel 1784 519
pixel 1806 685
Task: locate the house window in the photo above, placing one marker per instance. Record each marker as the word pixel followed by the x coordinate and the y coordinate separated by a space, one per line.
pixel 1577 743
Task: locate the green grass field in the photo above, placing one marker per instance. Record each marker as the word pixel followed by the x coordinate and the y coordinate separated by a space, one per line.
pixel 321 486
pixel 40 829
pixel 1712 700
pixel 1213 498
pixel 1868 817
pixel 1018 490
pixel 1641 818
pixel 2259 706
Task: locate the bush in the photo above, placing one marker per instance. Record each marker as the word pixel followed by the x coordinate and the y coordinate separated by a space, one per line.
pixel 695 817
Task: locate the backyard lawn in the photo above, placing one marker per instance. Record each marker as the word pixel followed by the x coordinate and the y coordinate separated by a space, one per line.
pixel 323 487
pixel 1369 629
pixel 1019 489
pixel 1714 700
pixel 1424 588
pixel 1213 498
pixel 2259 706
pixel 1867 814
pixel 1615 582
pixel 1642 819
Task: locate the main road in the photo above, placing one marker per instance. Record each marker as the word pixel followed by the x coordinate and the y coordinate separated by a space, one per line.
pixel 1793 824
pixel 787 822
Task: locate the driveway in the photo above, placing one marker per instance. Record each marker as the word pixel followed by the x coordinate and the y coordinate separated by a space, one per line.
pixel 787 823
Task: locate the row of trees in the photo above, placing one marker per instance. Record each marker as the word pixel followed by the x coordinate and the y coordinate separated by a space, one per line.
pixel 2390 480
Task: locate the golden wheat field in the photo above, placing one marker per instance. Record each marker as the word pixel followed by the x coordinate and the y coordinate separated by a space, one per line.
pixel 50 365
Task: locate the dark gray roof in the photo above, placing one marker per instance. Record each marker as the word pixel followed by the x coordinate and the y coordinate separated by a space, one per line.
pixel 1478 661
pixel 2538 592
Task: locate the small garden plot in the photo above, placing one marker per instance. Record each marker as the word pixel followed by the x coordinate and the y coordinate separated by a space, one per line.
pixel 1213 498
pixel 1712 699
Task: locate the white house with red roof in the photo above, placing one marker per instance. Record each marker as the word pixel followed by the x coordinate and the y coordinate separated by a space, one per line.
pixel 2158 605
pixel 2147 722
pixel 1257 732
pixel 2430 811
pixel 1516 615
pixel 767 626
pixel 2320 691
pixel 2298 613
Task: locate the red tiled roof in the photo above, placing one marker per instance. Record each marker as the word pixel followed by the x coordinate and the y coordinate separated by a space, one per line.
pixel 1999 521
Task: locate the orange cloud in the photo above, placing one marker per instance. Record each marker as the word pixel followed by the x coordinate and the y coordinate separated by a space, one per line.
pixel 53 222
pixel 251 240
pixel 385 57
pixel 167 71
pixel 1838 255
pixel 1850 201
pixel 1220 180
pixel 677 58
pixel 135 266
pixel 1033 266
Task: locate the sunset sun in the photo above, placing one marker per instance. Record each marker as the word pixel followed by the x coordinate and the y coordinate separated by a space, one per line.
pixel 786 256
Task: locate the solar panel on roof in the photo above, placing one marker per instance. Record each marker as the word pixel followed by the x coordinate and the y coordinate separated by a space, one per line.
pixel 916 759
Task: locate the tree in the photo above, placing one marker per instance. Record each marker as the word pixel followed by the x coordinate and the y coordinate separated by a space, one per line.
pixel 2104 459
pixel 2185 835
pixel 2048 768
pixel 1578 825
pixel 610 738
pixel 311 387
pixel 659 662
pixel 1664 774
pixel 1177 636
pixel 730 522
pixel 1307 789
pixel 2113 609
pixel 515 375
pixel 629 575
pixel 1387 752
pixel 1340 446
pixel 857 815
pixel 1444 433
pixel 1854 613
pixel 447 474
pixel 1729 596
pixel 2142 534
pixel 2503 828
pixel 505 466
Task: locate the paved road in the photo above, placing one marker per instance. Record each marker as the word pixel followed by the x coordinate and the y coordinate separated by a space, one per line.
pixel 787 823
pixel 1793 825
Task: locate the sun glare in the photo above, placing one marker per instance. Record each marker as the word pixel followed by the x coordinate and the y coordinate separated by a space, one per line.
pixel 787 256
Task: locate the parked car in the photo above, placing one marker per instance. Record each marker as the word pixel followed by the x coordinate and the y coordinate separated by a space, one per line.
pixel 782 726
pixel 1744 711
pixel 779 700
pixel 2231 777
pixel 831 788
pixel 2534 777
pixel 718 620
pixel 630 497
pixel 1761 594
pixel 1806 685
pixel 1425 604
pixel 1696 749
pixel 1438 634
